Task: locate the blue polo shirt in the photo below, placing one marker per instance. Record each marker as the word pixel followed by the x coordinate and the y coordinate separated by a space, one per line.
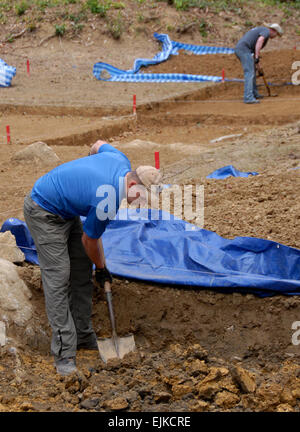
pixel 92 186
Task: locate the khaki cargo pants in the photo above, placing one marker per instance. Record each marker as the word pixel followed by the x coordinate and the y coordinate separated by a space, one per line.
pixel 66 276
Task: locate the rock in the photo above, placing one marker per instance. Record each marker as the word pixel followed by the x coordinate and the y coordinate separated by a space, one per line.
pixel 226 399
pixel 284 408
pixel 9 249
pixel 195 367
pixel 287 397
pixel 269 394
pixel 199 406
pixel 117 404
pixel 26 406
pixel 2 334
pixel 296 393
pixel 14 295
pixel 207 390
pixel 89 403
pixel 38 152
pixel 198 352
pixel 215 373
pixel 244 379
pixel 180 390
pixel 131 395
pixel 162 397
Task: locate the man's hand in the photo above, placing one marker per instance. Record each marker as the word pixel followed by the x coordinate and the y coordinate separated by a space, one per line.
pixel 103 275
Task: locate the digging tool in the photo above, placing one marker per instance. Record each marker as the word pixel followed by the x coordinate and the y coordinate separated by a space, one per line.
pixel 262 74
pixel 115 346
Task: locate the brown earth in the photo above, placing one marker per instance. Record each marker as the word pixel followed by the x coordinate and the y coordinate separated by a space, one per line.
pixel 191 343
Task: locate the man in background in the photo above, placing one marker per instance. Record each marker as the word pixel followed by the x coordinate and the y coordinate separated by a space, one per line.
pixel 247 51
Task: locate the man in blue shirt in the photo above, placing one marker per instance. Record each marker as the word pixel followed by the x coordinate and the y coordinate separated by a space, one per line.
pixel 247 50
pixel 93 187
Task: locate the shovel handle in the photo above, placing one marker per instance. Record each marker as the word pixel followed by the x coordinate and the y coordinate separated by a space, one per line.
pixel 107 287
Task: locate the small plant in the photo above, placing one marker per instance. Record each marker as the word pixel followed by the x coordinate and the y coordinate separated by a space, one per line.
pixel 78 18
pixel 118 5
pixel 115 27
pixel 43 4
pixel 77 28
pixel 182 4
pixel 60 30
pixel 249 24
pixel 10 38
pixel 203 28
pixel 21 8
pixel 97 7
pixel 31 25
pixel 140 18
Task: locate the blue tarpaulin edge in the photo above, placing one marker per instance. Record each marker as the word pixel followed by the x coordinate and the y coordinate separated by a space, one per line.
pixel 169 47
pixel 227 171
pixel 174 252
pixel 6 73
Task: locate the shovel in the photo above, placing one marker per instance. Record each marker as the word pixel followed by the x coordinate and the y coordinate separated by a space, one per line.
pixel 115 347
pixel 262 74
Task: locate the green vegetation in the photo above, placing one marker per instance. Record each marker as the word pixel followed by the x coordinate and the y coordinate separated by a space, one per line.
pixel 231 5
pixel 21 8
pixel 115 27
pixel 203 28
pixel 99 7
pixel 119 15
pixel 60 30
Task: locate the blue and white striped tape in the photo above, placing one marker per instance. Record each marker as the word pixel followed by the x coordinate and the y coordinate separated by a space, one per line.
pixel 169 47
pixel 6 74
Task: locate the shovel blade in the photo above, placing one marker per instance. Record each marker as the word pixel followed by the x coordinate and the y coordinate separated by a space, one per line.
pixel 107 348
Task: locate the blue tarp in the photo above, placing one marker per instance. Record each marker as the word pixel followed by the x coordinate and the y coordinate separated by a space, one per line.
pixel 6 74
pixel 175 252
pixel 227 171
pixel 169 47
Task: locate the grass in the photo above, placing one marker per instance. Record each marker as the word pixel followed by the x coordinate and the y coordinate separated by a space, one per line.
pixel 122 14
pixel 99 7
pixel 116 26
pixel 21 8
pixel 60 29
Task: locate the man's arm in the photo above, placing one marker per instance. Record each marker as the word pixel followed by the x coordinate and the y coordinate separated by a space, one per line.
pixel 94 250
pixel 258 46
pixel 95 147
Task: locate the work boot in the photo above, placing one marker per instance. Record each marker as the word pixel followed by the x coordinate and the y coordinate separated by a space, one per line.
pixel 91 345
pixel 65 366
pixel 253 101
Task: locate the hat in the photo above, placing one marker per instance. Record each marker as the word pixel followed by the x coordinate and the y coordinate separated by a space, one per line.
pixel 148 175
pixel 276 27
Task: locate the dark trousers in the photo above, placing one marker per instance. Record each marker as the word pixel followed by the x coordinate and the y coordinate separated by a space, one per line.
pixel 66 276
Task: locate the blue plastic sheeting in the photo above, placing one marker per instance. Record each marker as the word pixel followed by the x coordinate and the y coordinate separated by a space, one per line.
pixel 169 47
pixel 175 252
pixel 6 74
pixel 23 238
pixel 227 171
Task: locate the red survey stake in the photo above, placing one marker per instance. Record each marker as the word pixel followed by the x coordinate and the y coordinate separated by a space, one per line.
pixel 156 154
